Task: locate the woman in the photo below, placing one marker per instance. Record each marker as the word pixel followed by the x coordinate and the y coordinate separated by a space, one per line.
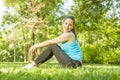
pixel 68 54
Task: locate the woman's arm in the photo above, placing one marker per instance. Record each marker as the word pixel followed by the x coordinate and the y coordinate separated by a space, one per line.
pixel 61 38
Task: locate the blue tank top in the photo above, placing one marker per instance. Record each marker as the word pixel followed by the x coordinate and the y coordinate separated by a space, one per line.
pixel 72 50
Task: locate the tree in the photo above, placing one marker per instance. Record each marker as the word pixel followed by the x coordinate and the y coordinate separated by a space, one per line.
pixel 32 14
pixel 97 30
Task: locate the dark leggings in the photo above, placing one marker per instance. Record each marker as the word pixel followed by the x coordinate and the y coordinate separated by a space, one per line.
pixel 62 58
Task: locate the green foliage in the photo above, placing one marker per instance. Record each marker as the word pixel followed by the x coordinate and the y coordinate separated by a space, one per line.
pixel 98 32
pixel 29 14
pixel 9 19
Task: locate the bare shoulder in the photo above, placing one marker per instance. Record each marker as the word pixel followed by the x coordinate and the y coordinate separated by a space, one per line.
pixel 69 35
pixel 66 34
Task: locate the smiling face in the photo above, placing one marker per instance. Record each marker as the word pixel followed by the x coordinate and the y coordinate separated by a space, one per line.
pixel 67 25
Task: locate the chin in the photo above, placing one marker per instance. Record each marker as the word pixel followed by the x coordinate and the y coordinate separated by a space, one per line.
pixel 67 30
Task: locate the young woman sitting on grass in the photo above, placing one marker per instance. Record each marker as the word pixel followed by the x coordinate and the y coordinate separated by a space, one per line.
pixel 68 54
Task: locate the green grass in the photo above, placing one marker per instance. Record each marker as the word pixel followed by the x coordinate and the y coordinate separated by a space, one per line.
pixel 52 71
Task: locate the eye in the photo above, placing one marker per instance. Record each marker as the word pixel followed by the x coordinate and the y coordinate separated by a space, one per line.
pixel 70 24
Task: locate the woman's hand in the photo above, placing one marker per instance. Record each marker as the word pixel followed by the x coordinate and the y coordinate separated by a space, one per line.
pixel 33 48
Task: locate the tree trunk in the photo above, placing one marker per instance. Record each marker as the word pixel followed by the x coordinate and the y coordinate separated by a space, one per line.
pixel 24 52
pixel 14 52
pixel 32 55
pixel 25 57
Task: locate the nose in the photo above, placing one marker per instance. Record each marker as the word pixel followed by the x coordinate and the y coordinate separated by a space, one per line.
pixel 67 25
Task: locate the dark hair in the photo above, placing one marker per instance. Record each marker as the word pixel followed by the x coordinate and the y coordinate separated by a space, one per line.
pixel 72 18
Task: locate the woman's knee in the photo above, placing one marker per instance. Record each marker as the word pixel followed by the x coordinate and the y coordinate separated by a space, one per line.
pixel 52 45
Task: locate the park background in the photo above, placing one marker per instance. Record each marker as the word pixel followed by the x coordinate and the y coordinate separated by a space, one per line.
pixel 26 22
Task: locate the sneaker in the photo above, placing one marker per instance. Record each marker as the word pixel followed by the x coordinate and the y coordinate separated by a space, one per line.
pixel 30 65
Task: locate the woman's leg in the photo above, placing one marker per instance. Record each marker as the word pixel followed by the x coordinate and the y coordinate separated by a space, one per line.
pixel 62 58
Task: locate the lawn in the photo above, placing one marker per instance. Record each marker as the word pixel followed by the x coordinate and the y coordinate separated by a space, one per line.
pixel 52 71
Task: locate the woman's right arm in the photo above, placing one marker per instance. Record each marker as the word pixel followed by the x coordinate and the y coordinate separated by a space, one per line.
pixel 61 38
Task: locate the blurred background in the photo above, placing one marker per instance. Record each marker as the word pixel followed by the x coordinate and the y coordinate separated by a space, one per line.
pixel 26 22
